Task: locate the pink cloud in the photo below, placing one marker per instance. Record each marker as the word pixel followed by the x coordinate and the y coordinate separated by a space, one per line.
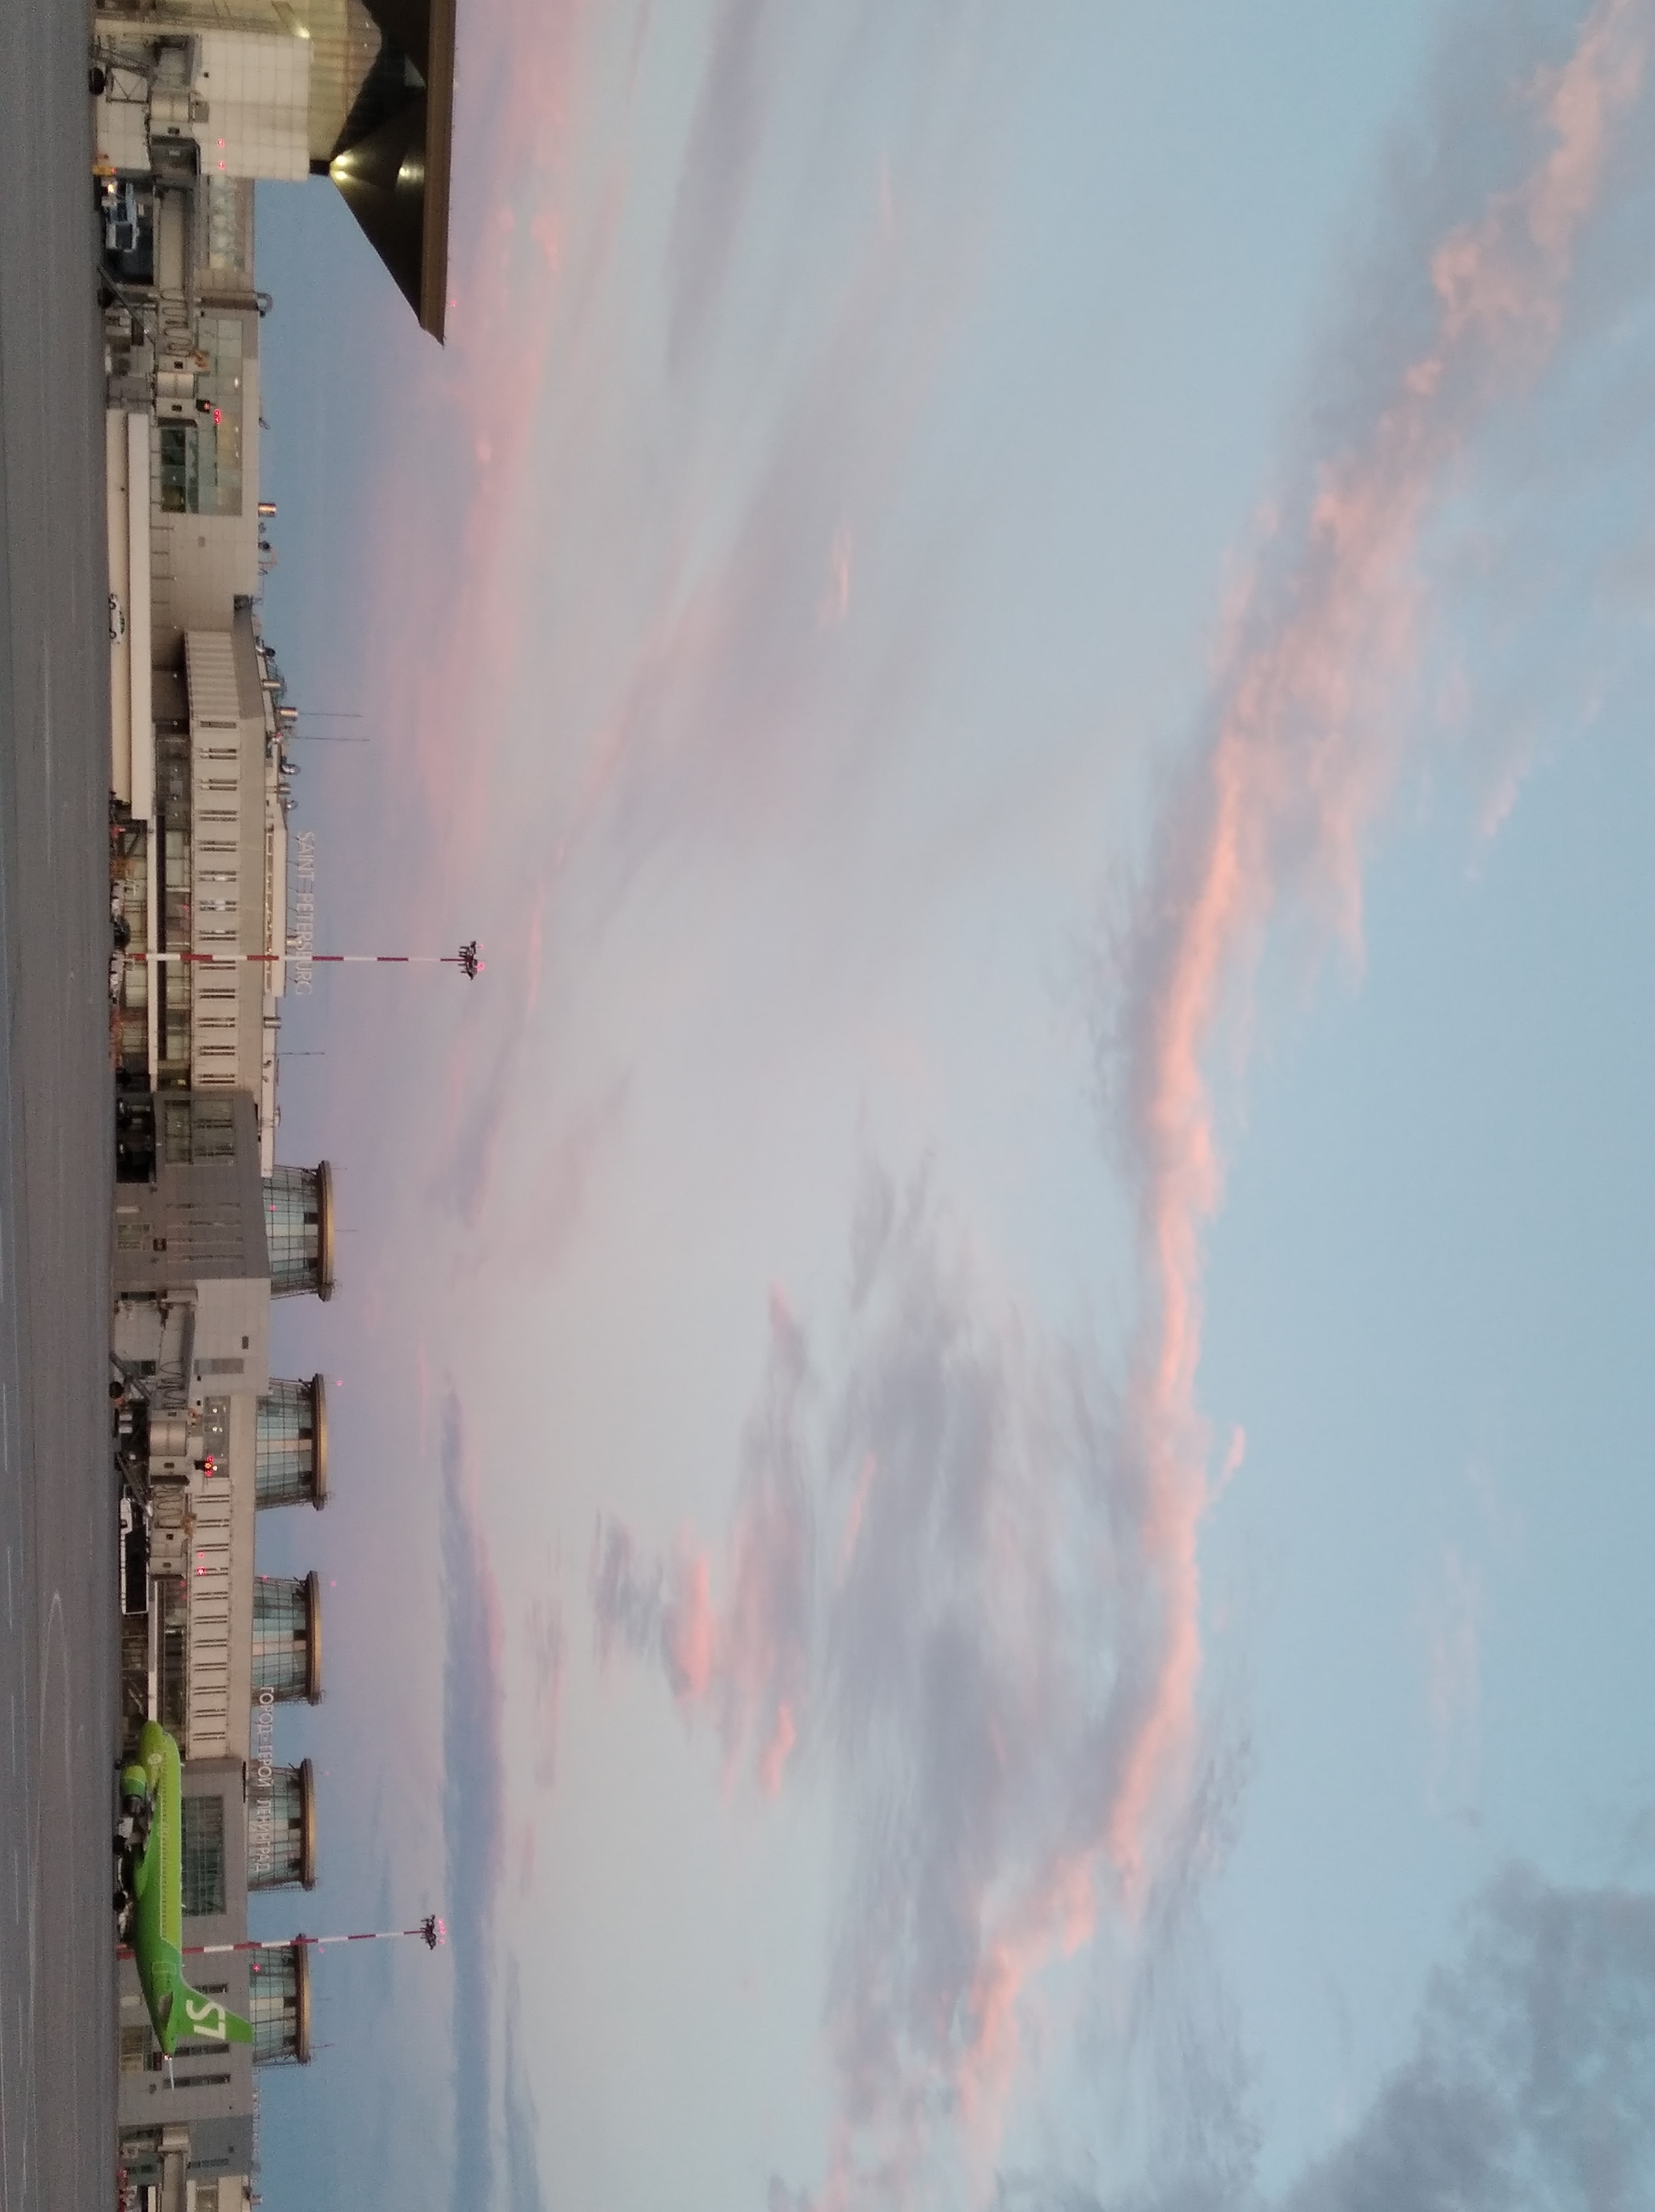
pixel 1308 736
pixel 774 1757
pixel 546 1664
pixel 858 1507
pixel 689 1631
pixel 537 954
pixel 951 1665
pixel 746 1665
pixel 450 637
pixel 835 599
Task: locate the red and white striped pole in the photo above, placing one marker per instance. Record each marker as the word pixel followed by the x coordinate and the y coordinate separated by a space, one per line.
pixel 431 1931
pixel 467 959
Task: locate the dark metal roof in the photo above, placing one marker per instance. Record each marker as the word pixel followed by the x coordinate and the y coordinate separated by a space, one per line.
pixel 307 1824
pixel 301 2003
pixel 324 1229
pixel 314 1638
pixel 318 1443
pixel 392 161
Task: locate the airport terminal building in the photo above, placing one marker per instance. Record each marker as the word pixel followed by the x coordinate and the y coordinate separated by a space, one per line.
pixel 195 101
pixel 208 1442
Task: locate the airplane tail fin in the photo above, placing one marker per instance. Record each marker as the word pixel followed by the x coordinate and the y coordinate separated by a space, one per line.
pixel 211 2020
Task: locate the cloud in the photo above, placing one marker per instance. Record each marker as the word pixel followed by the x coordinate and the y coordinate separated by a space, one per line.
pixel 551 1192
pixel 1304 738
pixel 732 713
pixel 835 599
pixel 723 145
pixel 1531 2081
pixel 747 1666
pixel 546 1658
pixel 962 1581
pixel 927 1596
pixel 711 697
pixel 473 1807
pixel 1454 1622
pixel 633 650
pixel 524 2188
pixel 445 638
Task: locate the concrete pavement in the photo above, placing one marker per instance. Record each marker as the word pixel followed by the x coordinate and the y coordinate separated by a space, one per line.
pixel 57 1631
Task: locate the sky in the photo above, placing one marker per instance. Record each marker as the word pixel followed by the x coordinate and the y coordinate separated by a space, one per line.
pixel 990 1505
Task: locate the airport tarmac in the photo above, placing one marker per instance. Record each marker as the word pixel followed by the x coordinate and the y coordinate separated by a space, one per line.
pixel 57 1620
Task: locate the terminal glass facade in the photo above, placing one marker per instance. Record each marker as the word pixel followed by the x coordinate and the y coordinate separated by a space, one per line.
pixel 282 1632
pixel 201 460
pixel 175 984
pixel 277 2003
pixel 172 1685
pixel 293 1228
pixel 286 1473
pixel 275 1831
pixel 203 1855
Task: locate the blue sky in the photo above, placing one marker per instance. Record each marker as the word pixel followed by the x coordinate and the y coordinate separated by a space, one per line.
pixel 987 1388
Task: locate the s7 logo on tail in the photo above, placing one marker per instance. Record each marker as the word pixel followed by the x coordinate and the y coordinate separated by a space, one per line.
pixel 205 2016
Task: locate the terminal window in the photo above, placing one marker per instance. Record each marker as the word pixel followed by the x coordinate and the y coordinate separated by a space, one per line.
pixel 226 227
pixel 203 1855
pixel 176 1132
pixel 200 459
pixel 198 1129
pixel 214 1134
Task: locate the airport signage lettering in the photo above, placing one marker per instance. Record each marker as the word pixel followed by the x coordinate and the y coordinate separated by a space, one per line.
pixel 261 1824
pixel 302 935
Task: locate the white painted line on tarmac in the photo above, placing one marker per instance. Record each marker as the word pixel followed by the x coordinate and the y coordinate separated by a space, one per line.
pixel 10 1620
pixel 5 2133
pixel 14 1731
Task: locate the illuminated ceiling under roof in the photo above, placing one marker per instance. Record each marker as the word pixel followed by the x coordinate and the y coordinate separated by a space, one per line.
pixel 391 159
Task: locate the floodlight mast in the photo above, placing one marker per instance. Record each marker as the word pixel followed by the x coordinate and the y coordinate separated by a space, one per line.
pixel 432 1931
pixel 468 960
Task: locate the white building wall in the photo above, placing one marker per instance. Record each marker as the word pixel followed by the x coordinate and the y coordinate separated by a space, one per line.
pixel 119 540
pixel 120 127
pixel 201 564
pixel 211 1628
pixel 257 88
pixel 231 861
pixel 221 1592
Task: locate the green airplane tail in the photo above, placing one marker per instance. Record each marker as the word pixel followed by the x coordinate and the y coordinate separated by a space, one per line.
pixel 210 2018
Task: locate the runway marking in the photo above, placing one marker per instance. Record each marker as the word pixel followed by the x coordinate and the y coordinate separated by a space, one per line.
pixel 14 1731
pixel 5 2139
pixel 57 1631
pixel 11 1623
